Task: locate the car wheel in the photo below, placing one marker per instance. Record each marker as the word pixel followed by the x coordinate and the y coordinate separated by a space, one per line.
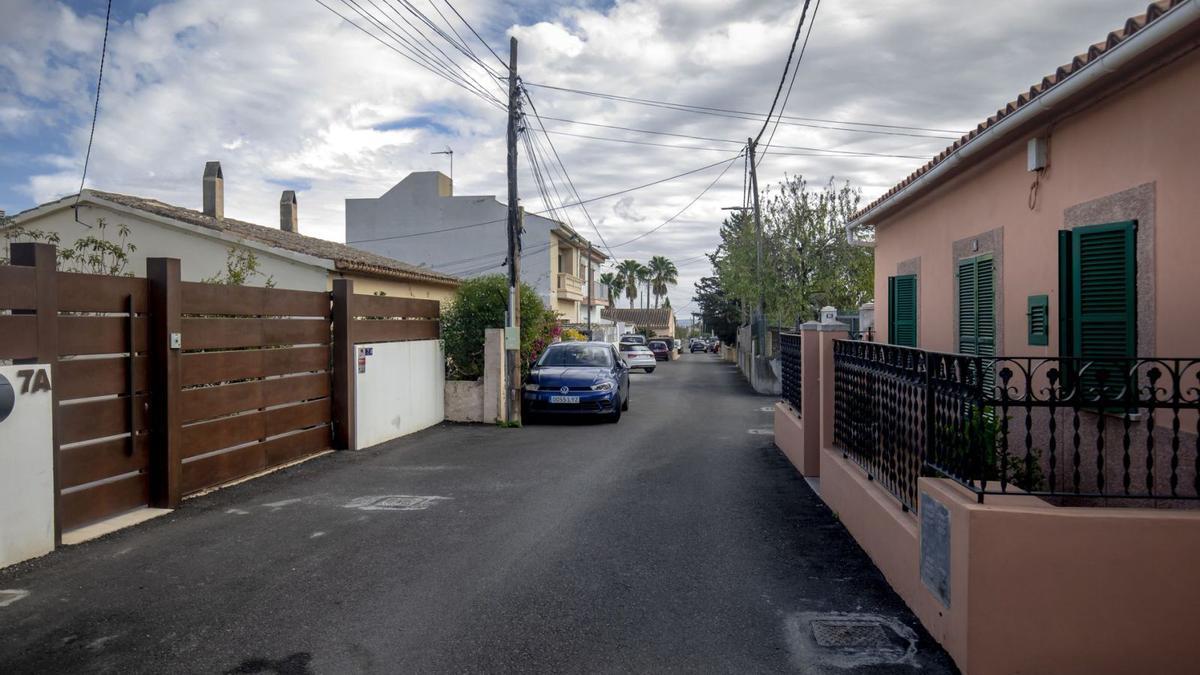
pixel 615 415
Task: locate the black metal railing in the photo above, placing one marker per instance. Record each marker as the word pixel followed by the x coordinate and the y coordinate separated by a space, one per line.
pixel 790 368
pixel 1051 427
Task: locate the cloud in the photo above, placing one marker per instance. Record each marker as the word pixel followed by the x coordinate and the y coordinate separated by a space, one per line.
pixel 284 93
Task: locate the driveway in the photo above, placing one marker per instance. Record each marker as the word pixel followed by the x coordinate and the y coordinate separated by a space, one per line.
pixel 679 539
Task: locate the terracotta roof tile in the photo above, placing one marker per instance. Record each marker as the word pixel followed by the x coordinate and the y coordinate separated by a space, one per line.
pixel 649 318
pixel 345 258
pixel 1116 37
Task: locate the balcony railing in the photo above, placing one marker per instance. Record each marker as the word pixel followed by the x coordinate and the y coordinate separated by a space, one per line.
pixel 570 284
pixel 1077 430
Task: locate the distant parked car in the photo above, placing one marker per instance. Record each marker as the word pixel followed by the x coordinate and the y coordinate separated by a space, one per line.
pixel 714 346
pixel 698 346
pixel 578 377
pixel 662 352
pixel 639 356
pixel 677 345
pixel 633 339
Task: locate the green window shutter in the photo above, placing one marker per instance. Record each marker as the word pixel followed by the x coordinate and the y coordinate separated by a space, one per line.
pixel 985 304
pixel 1104 299
pixel 1039 320
pixel 968 308
pixel 902 310
pixel 1066 296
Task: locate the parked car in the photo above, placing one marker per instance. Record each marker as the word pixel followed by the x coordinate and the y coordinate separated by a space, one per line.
pixel 714 346
pixel 580 378
pixel 677 345
pixel 662 352
pixel 632 339
pixel 638 356
pixel 698 346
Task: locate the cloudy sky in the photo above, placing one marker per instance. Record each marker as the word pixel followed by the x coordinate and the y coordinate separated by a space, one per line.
pixel 289 96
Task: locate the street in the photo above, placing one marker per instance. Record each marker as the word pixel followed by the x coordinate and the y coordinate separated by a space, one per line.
pixel 679 539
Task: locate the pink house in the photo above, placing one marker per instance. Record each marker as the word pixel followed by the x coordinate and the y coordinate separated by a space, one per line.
pixel 1017 451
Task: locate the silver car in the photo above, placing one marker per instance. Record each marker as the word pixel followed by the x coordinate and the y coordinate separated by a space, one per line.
pixel 638 356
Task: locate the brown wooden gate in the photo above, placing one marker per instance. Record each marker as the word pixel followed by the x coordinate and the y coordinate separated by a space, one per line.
pixel 254 378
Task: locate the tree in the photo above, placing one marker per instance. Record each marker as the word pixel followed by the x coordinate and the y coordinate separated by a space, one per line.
pixel 480 303
pixel 631 272
pixel 663 275
pixel 807 262
pixel 613 283
pixel 720 312
pixel 90 254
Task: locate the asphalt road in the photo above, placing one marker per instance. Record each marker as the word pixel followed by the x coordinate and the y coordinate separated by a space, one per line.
pixel 676 540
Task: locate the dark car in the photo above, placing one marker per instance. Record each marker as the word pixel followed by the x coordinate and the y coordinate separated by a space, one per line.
pixel 662 352
pixel 714 346
pixel 698 346
pixel 578 378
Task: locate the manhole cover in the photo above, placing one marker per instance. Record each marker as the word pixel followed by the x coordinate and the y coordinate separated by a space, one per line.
pixel 850 634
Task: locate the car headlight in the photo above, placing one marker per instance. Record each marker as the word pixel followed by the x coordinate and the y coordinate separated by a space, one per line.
pixel 531 387
pixel 603 386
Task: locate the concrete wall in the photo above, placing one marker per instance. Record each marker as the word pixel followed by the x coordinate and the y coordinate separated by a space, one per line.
pixel 201 255
pixel 483 400
pixel 1130 155
pixel 422 202
pixel 395 288
pixel 27 455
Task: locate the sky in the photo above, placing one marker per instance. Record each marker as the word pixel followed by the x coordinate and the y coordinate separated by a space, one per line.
pixel 289 96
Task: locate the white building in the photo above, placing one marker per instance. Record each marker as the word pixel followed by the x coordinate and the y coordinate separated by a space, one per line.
pixel 422 222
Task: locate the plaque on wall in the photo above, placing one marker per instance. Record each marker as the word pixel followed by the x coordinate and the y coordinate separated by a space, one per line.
pixel 935 548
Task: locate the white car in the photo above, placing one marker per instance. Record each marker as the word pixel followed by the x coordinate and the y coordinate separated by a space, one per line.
pixel 638 356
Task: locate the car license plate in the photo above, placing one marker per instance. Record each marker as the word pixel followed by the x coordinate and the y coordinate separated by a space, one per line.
pixel 564 399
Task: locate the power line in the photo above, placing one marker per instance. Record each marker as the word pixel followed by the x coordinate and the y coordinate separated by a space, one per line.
pixel 401 53
pixel 815 153
pixel 540 213
pixel 477 35
pixel 783 78
pixel 681 211
pixel 795 72
pixel 726 112
pixel 570 182
pixel 87 157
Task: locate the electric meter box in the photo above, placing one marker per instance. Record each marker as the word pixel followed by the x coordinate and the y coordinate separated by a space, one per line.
pixel 26 463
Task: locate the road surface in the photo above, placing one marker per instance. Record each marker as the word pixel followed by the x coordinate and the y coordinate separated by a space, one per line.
pixel 679 539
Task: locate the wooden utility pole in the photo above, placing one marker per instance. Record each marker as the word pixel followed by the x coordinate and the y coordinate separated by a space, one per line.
pixel 762 299
pixel 514 244
pixel 589 293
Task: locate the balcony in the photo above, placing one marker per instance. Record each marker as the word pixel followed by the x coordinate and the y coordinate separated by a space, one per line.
pixel 570 287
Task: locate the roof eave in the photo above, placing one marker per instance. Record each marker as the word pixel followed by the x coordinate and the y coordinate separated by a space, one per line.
pixel 1102 71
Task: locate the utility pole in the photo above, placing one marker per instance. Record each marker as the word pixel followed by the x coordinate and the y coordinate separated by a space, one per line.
pixel 589 293
pixel 762 294
pixel 514 245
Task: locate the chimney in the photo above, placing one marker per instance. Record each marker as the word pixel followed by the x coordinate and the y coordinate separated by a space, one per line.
pixel 214 191
pixel 288 215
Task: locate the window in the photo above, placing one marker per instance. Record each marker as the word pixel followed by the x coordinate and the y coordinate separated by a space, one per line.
pixel 902 310
pixel 976 278
pixel 579 354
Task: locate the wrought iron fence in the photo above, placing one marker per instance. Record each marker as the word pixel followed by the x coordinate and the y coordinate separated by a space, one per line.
pixel 790 362
pixel 1051 427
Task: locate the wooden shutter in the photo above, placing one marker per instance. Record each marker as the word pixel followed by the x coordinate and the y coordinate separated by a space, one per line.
pixel 977 306
pixel 1103 285
pixel 1038 314
pixel 902 310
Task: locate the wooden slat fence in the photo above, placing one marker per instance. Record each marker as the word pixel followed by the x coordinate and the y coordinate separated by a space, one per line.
pixel 255 385
pixel 251 385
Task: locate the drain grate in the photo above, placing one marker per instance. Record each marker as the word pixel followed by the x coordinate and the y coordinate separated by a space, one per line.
pixel 850 634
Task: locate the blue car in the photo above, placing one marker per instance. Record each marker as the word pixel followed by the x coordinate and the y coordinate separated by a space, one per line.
pixel 579 378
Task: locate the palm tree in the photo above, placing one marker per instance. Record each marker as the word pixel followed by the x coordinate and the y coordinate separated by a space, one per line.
pixel 663 275
pixel 613 283
pixel 630 272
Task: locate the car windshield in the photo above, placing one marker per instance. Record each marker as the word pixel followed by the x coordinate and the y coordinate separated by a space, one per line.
pixel 660 345
pixel 589 356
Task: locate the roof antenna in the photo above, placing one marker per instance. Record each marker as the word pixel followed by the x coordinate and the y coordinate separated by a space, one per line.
pixel 450 152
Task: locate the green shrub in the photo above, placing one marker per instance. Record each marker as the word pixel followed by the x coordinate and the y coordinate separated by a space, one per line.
pixel 479 304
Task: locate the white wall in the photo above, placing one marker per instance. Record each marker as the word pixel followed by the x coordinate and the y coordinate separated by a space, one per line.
pixel 26 468
pixel 401 391
pixel 201 256
pixel 416 205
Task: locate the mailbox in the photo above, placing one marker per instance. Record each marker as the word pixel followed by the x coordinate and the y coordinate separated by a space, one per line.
pixel 26 463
